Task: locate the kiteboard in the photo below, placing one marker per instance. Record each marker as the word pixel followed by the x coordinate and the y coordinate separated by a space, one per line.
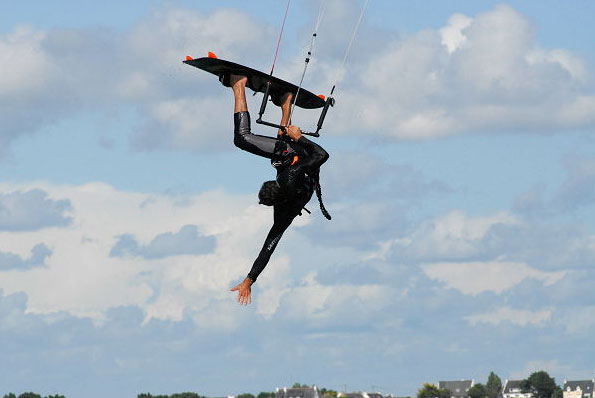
pixel 258 80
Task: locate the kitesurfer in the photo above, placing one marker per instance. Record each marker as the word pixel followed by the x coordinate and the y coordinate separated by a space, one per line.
pixel 297 161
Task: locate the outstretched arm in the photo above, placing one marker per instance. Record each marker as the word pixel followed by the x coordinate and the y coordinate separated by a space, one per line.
pixel 283 219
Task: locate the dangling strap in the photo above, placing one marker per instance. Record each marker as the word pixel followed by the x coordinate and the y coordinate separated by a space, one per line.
pixel 325 212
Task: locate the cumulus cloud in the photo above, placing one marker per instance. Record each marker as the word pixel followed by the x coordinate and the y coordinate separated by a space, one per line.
pixel 477 277
pixel 452 35
pixel 32 210
pixel 514 316
pixel 477 73
pixel 482 73
pixel 169 275
pixel 52 75
pixel 166 91
pixel 186 241
pixel 453 235
pixel 339 305
pixel 178 275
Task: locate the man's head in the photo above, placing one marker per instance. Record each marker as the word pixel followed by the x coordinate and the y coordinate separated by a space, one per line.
pixel 270 194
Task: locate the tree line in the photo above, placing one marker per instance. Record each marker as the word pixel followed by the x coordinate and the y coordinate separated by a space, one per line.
pixel 324 392
pixel 31 395
pixel 540 384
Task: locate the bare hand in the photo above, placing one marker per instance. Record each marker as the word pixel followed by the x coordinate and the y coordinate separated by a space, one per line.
pixel 294 132
pixel 244 292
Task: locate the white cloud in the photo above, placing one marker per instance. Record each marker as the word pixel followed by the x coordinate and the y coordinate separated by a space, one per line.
pixel 186 108
pixel 473 278
pixel 338 305
pixel 87 281
pixel 51 75
pixel 474 74
pixel 187 123
pixel 453 235
pixel 25 66
pixel 485 73
pixel 452 34
pixel 514 316
pixel 576 67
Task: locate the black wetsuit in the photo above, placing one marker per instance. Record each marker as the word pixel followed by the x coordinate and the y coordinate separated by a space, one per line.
pixel 297 164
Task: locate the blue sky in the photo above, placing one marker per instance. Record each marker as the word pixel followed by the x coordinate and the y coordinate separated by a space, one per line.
pixel 460 182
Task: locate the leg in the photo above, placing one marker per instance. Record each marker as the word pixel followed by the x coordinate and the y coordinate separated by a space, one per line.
pixel 285 111
pixel 243 137
pixel 238 85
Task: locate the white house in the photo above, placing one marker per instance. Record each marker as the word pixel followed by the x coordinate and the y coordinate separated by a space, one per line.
pixel 578 389
pixel 512 389
pixel 457 388
pixel 298 392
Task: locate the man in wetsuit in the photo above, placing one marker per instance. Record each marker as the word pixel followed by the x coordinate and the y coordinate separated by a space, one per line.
pixel 297 161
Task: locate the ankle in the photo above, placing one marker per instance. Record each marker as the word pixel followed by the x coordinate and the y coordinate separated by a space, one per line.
pixel 238 80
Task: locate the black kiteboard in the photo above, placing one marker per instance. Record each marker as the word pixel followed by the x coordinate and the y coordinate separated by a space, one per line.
pixel 257 80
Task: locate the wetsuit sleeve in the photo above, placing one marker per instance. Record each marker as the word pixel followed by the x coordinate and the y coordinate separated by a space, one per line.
pixel 283 216
pixel 316 154
pixel 244 139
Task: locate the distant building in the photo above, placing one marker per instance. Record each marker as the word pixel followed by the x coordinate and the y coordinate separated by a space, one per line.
pixel 457 388
pixel 298 392
pixel 512 389
pixel 578 389
pixel 360 394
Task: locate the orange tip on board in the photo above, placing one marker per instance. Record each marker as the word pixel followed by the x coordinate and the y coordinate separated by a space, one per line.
pixel 189 58
pixel 211 55
pixel 322 96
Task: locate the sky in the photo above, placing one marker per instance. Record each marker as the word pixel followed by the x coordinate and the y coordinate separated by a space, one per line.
pixel 461 182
